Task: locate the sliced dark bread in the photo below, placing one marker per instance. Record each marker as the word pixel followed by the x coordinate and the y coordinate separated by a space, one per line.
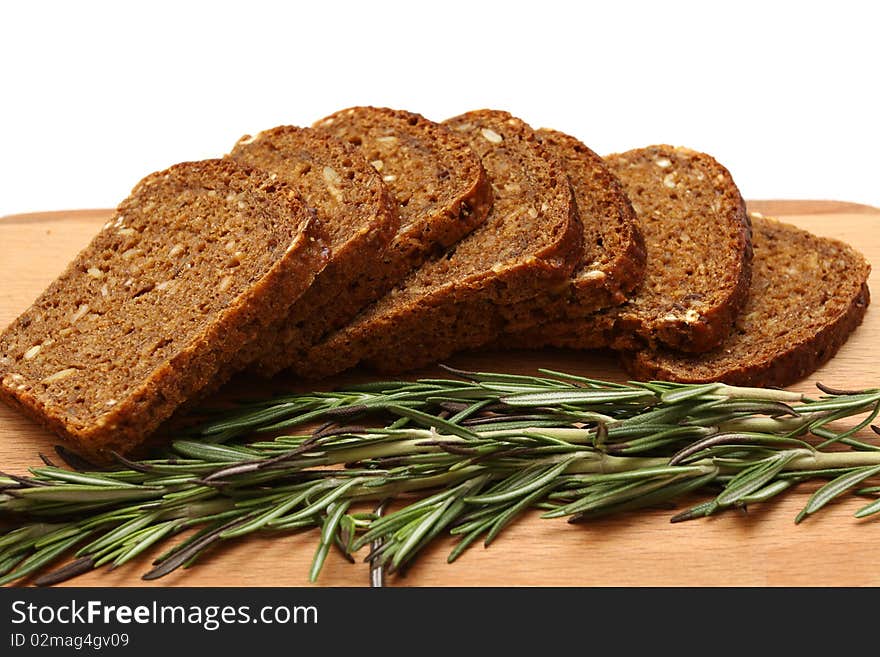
pixel 191 268
pixel 613 261
pixel 807 295
pixel 441 193
pixel 358 215
pixel 698 243
pixel 438 182
pixel 530 241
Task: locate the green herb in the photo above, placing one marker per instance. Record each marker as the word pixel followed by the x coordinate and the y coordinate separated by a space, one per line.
pixel 461 457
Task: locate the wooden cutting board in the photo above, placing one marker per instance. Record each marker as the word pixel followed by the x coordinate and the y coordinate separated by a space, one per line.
pixel 762 548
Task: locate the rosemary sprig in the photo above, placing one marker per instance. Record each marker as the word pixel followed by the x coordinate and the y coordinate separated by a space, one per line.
pixel 462 457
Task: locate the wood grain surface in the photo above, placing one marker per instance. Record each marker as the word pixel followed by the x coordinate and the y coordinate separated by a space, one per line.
pixel 761 548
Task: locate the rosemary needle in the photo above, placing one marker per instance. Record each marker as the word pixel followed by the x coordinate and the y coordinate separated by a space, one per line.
pixel 463 457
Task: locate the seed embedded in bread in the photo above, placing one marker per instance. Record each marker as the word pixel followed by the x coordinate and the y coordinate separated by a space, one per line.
pixel 491 136
pixel 88 341
pixel 807 295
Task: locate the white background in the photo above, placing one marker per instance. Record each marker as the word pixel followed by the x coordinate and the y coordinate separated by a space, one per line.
pixel 96 95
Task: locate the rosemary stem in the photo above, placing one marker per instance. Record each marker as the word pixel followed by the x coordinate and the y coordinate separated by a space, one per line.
pixel 385 450
pixel 832 460
pixel 420 483
pixel 766 424
pixel 415 444
pixel 806 460
pixel 607 464
pixel 595 463
pixel 766 394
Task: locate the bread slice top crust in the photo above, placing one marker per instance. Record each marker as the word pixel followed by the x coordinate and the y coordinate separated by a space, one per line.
pixel 437 181
pixel 698 242
pixel 532 239
pixel 807 295
pixel 359 216
pixel 195 261
pixel 613 259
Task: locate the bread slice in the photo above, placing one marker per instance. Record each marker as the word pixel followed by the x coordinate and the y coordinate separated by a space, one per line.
pixel 440 190
pixel 807 295
pixel 698 242
pixel 193 265
pixel 437 180
pixel 613 260
pixel 357 213
pixel 531 240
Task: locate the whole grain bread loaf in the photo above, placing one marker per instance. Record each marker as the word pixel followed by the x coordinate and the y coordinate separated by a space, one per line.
pixel 441 193
pixel 697 235
pixel 532 240
pixel 613 260
pixel 807 296
pixel 359 217
pixel 190 269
